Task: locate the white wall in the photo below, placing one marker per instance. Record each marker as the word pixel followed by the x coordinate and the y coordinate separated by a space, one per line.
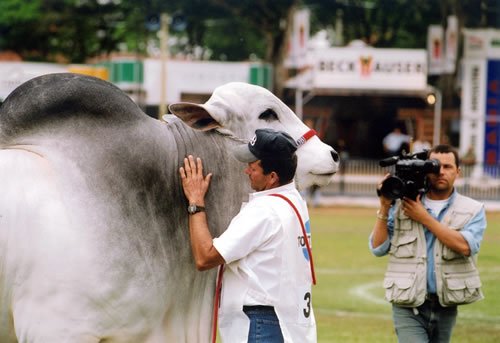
pixel 13 74
pixel 198 77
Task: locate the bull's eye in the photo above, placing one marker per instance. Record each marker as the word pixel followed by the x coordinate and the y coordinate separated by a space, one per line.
pixel 268 115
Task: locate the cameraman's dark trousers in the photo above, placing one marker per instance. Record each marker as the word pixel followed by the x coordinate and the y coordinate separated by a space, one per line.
pixel 428 323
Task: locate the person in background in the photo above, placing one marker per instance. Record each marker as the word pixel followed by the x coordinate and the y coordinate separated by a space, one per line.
pixel 395 142
pixel 420 144
pixel 432 243
pixel 266 284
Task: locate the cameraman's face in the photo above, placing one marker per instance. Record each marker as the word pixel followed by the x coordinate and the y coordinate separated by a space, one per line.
pixel 443 182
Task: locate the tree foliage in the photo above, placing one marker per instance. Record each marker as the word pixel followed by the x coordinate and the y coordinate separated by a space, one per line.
pixel 67 30
pixel 400 23
pixel 75 30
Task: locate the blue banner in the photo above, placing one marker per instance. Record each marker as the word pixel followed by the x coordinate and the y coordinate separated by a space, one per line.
pixel 492 125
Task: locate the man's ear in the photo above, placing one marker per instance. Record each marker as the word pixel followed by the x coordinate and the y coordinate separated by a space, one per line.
pixel 275 178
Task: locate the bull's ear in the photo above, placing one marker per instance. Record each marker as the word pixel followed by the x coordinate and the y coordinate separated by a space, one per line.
pixel 194 115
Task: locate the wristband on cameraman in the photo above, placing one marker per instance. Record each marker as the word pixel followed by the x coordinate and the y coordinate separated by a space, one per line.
pixel 382 216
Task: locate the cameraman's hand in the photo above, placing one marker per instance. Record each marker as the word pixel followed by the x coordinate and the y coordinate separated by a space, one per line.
pixel 385 203
pixel 380 231
pixel 414 209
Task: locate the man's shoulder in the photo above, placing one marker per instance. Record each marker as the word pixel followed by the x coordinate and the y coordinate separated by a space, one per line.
pixel 467 202
pixel 275 198
pixel 263 204
pixel 276 201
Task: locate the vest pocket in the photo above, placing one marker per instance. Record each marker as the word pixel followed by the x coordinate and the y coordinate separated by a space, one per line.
pixel 450 254
pixel 462 289
pixel 404 246
pixel 400 288
pixel 458 220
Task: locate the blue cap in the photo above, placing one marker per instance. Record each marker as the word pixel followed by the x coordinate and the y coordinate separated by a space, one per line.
pixel 267 143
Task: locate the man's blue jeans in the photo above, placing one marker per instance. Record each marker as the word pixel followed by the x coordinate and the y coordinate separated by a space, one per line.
pixel 264 325
pixel 430 323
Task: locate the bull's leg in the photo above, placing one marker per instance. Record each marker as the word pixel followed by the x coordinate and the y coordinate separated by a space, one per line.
pixel 7 333
pixel 190 320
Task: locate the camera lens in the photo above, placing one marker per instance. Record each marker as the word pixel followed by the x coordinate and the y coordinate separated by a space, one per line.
pixel 393 188
pixel 432 166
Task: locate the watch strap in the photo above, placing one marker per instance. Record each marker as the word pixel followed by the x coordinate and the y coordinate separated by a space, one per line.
pixel 193 208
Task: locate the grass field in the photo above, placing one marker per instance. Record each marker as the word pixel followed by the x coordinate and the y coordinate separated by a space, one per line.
pixel 348 298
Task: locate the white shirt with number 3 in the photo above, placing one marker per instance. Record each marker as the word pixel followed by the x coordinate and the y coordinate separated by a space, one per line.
pixel 267 264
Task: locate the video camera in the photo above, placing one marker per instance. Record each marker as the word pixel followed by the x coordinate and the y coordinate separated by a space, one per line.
pixel 410 175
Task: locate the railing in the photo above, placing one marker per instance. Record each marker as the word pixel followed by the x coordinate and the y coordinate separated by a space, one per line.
pixel 358 177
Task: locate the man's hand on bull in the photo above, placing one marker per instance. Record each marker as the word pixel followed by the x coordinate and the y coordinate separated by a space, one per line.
pixel 195 185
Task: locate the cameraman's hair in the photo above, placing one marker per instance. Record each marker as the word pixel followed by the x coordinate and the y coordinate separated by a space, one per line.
pixel 445 149
pixel 285 168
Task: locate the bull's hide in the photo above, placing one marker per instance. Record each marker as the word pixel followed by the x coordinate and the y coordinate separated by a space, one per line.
pixel 94 241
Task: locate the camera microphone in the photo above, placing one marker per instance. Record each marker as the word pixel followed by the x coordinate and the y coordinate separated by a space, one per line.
pixel 388 161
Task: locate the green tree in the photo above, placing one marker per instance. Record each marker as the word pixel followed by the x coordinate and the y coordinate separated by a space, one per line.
pixel 404 24
pixel 269 20
pixel 75 30
pixel 60 30
pixel 15 17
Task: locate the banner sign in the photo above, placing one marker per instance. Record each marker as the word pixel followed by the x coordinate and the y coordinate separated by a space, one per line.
pixel 492 127
pixel 369 68
pixel 473 89
pixel 473 106
pixel 435 49
pixel 451 46
pixel 299 40
pixel 482 43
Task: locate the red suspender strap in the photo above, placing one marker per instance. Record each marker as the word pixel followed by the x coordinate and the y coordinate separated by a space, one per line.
pixel 218 289
pixel 306 239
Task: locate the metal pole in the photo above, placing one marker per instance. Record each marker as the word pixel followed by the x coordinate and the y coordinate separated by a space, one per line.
pixel 437 117
pixel 162 108
pixel 298 103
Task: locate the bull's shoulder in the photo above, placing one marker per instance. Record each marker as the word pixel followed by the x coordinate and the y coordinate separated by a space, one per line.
pixel 53 99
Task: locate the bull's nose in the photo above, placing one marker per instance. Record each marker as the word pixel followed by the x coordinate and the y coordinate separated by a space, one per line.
pixel 335 155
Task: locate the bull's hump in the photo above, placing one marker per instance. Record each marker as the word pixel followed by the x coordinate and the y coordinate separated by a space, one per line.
pixel 56 98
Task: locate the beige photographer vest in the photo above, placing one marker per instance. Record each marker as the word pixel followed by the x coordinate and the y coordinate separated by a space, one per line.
pixel 457 277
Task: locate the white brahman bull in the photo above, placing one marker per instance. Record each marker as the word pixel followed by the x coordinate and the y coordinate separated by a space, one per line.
pixel 94 242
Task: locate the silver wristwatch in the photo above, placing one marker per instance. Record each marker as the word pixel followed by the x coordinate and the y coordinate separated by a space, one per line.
pixel 193 208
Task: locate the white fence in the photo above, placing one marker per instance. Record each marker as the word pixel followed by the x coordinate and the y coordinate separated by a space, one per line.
pixel 360 177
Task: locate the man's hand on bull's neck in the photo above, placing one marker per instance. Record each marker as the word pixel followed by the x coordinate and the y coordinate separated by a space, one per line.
pixel 197 200
pixel 195 185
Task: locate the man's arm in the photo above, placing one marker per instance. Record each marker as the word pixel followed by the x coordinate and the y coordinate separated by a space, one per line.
pixel 204 252
pixel 449 237
pixel 195 187
pixel 380 232
pixel 473 231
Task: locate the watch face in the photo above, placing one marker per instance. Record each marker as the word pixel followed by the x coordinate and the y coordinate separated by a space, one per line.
pixel 192 209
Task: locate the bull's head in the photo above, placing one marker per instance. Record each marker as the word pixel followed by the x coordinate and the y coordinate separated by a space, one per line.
pixel 238 109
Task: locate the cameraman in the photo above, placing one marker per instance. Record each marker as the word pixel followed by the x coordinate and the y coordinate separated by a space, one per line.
pixel 431 242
